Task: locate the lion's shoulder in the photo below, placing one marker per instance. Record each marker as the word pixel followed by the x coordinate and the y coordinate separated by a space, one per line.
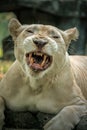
pixel 79 68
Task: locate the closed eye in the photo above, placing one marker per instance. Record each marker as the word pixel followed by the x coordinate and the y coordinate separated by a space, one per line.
pixel 30 31
pixel 56 36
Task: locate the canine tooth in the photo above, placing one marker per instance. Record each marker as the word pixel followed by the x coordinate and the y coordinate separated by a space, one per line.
pixel 31 60
pixel 30 55
pixel 43 60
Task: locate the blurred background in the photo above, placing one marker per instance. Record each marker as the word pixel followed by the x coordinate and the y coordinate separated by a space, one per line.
pixel 63 14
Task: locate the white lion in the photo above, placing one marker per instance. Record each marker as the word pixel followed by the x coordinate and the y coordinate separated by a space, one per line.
pixel 44 77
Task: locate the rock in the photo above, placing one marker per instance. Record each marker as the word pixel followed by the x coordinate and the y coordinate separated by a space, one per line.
pixel 18 129
pixel 20 120
pixel 82 125
pixel 33 121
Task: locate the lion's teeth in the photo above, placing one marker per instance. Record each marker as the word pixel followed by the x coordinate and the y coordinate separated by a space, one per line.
pixel 31 61
pixel 43 61
pixel 39 54
pixel 45 57
pixel 30 55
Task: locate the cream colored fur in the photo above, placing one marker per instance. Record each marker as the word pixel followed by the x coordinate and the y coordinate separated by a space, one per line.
pixel 60 89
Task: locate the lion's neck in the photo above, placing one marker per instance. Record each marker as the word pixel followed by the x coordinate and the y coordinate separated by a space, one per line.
pixel 38 83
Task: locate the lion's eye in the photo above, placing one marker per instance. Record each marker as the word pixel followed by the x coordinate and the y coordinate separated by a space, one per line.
pixel 56 36
pixel 30 31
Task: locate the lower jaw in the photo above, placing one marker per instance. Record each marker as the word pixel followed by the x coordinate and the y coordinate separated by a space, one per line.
pixel 36 70
pixel 36 74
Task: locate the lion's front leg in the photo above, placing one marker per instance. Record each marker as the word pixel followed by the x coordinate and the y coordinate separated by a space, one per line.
pixel 1 112
pixel 67 118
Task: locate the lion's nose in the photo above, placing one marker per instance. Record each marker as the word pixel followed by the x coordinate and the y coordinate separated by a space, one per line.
pixel 40 42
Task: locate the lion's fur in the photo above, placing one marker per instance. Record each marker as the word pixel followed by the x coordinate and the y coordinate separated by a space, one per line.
pixel 62 86
pixel 79 66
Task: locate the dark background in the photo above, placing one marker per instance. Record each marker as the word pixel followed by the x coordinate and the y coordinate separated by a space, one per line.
pixel 63 14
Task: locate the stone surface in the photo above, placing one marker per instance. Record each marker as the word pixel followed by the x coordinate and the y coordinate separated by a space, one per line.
pixel 82 124
pixel 26 120
pixel 18 129
pixel 33 121
pixel 20 120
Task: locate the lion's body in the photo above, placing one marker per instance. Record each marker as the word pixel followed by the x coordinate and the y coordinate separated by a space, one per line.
pixel 44 77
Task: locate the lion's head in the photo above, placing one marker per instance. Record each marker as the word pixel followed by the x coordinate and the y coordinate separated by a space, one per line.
pixel 40 48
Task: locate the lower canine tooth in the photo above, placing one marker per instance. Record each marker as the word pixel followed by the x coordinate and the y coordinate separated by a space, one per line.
pixel 31 60
pixel 43 61
pixel 30 57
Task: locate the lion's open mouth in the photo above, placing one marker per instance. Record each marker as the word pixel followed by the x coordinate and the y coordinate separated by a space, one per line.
pixel 38 61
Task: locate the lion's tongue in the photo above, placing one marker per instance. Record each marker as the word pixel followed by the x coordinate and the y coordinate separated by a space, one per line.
pixel 37 65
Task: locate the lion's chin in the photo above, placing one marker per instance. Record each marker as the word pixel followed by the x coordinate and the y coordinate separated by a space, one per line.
pixel 38 61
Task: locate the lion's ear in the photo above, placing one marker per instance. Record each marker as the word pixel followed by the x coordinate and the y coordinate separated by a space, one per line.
pixel 13 26
pixel 71 34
